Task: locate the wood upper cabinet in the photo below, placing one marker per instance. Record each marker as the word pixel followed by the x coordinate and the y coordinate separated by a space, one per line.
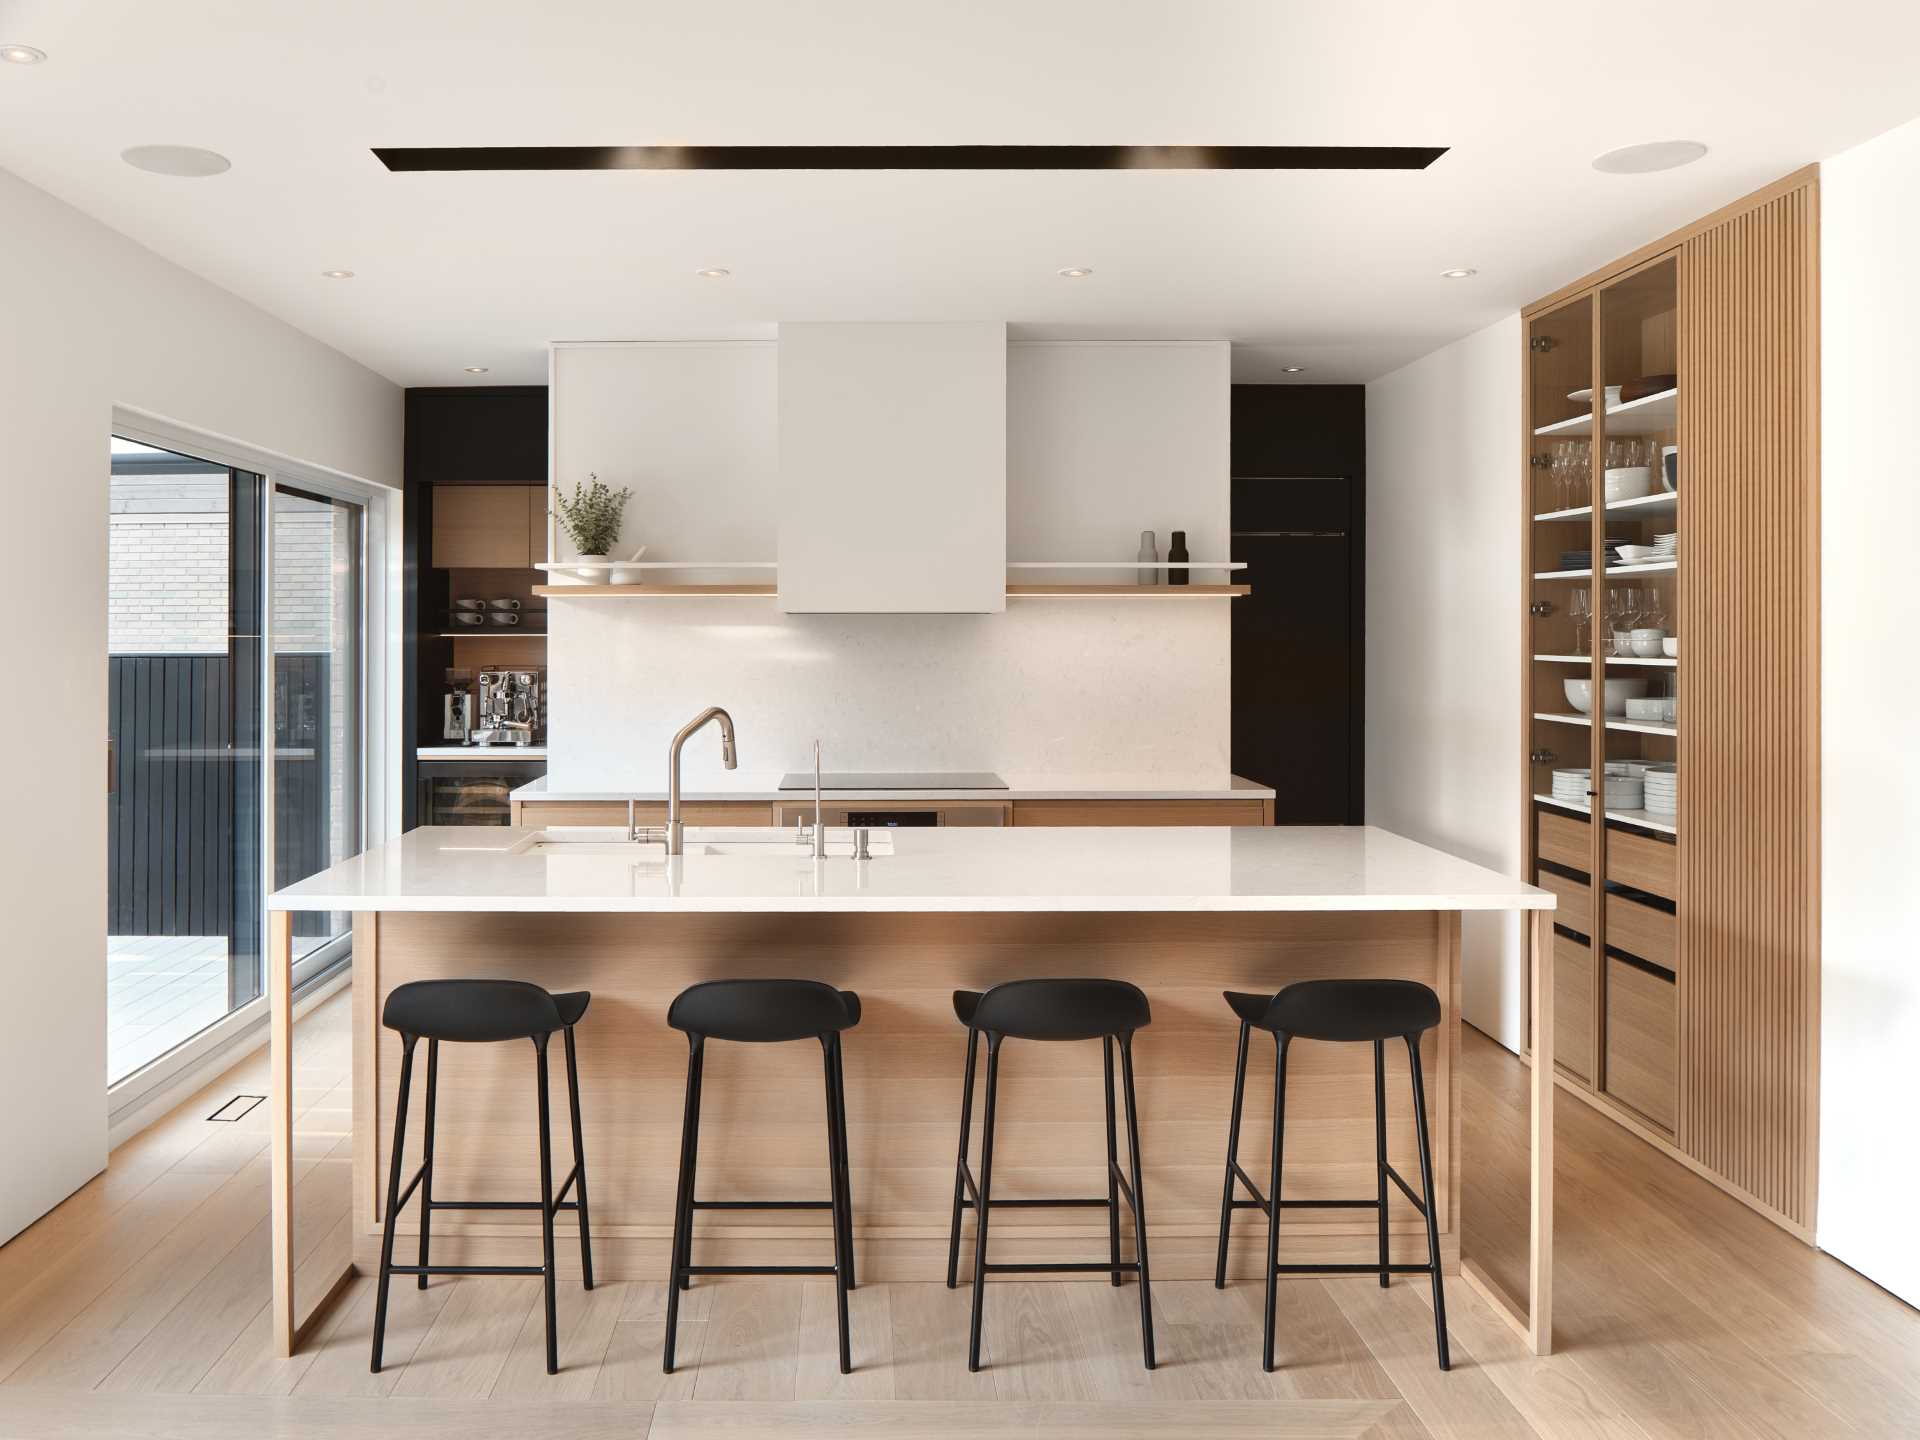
pixel 488 527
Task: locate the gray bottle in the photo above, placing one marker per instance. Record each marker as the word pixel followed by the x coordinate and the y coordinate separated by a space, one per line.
pixel 1148 556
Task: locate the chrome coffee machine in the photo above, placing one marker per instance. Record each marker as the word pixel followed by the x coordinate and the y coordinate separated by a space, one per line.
pixel 511 710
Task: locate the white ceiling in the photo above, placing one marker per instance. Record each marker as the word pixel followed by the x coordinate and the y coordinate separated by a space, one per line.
pixel 1335 271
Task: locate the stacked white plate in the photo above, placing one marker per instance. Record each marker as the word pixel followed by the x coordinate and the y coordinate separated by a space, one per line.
pixel 1624 791
pixel 1662 790
pixel 1667 546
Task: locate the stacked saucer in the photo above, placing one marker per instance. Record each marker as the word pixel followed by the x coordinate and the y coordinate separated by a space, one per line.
pixel 1667 546
pixel 1662 790
pixel 1624 791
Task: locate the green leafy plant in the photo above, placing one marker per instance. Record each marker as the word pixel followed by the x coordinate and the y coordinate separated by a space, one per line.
pixel 592 516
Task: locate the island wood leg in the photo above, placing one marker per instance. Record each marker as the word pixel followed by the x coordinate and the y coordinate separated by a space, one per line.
pixel 280 1093
pixel 287 1327
pixel 1534 1318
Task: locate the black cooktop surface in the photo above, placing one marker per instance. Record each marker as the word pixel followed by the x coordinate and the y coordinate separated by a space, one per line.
pixel 911 780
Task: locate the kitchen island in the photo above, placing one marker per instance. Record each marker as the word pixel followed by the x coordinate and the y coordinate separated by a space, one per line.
pixel 1182 912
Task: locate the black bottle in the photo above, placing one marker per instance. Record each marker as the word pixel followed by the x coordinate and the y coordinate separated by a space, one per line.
pixel 1177 555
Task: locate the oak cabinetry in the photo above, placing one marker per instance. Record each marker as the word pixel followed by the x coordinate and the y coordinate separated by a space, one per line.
pixel 1573 991
pixel 1142 812
pixel 488 527
pixel 1702 919
pixel 647 812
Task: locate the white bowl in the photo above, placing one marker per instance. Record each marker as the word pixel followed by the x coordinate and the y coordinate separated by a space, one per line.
pixel 1615 697
pixel 1629 482
pixel 1647 643
pixel 1637 554
pixel 1670 647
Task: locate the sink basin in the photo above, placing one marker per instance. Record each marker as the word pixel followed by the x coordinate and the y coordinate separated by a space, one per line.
pixel 604 841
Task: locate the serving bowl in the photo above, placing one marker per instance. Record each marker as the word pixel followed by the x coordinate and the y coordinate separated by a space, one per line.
pixel 1629 482
pixel 1618 691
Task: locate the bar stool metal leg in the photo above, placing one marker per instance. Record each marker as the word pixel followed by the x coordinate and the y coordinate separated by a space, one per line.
pixel 407 1043
pixel 546 1203
pixel 1431 1208
pixel 1138 1199
pixel 1273 1196
pixel 982 1202
pixel 683 1203
pixel 426 1169
pixel 579 1159
pixel 828 1045
pixel 1380 1144
pixel 960 1166
pixel 1113 1165
pixel 1233 1157
pixel 842 1168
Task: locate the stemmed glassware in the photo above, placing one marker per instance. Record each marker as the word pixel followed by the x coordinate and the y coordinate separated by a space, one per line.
pixel 1580 609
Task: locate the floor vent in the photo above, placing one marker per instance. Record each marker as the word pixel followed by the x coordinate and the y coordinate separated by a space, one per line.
pixel 238 1106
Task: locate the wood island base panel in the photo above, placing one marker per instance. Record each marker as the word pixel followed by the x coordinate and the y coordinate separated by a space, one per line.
pixel 762 1106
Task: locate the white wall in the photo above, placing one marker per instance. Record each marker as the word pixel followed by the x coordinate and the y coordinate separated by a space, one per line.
pixel 94 321
pixel 1443 612
pixel 1054 687
pixel 1870 696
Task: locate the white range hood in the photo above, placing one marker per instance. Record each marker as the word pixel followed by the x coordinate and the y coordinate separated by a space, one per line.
pixel 893 468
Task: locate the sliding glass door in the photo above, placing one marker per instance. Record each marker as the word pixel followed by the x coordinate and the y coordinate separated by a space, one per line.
pixel 192 554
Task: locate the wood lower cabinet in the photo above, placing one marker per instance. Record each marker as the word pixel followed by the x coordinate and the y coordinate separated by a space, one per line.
pixel 1573 991
pixel 1640 1041
pixel 1143 812
pixel 1699 352
pixel 649 812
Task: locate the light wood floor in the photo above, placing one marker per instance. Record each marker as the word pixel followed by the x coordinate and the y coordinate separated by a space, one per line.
pixel 139 1308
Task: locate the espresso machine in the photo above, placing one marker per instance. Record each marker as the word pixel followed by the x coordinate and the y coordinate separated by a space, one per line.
pixel 510 708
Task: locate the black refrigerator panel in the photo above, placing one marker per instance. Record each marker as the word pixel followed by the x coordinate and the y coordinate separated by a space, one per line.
pixel 1294 687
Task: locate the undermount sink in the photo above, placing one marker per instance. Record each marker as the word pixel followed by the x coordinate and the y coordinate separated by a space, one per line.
pixel 602 841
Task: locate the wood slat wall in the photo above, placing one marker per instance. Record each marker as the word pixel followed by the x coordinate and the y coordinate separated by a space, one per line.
pixel 1748 746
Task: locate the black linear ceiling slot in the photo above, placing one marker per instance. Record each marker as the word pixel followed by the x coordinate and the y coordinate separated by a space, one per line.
pixel 909 157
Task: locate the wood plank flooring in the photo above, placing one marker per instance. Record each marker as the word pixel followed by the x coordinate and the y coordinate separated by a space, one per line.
pixel 140 1307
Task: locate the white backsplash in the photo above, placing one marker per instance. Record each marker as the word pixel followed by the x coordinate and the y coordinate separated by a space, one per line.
pixel 1057 687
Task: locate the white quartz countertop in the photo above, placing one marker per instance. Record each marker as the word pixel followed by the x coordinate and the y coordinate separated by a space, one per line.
pixel 1019 787
pixel 488 753
pixel 1213 868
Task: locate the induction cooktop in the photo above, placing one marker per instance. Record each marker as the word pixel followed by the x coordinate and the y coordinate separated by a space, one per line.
pixel 866 780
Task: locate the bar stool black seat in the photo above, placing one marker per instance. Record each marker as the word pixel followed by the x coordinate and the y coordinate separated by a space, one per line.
pixel 1109 1011
pixel 1340 1011
pixel 482 1012
pixel 761 1012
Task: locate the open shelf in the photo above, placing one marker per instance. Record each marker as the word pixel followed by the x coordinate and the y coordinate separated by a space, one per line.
pixel 1136 592
pixel 1126 564
pixel 574 566
pixel 1664 824
pixel 1649 415
pixel 493 632
pixel 1641 727
pixel 658 592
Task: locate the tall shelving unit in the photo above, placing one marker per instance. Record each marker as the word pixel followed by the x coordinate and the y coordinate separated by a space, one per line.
pixel 1686 951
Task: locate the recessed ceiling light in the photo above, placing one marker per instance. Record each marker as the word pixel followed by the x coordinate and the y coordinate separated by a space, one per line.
pixel 1075 272
pixel 21 54
pixel 337 274
pixel 713 272
pixel 1645 159
pixel 1293 369
pixel 189 161
pixel 476 369
pixel 1463 272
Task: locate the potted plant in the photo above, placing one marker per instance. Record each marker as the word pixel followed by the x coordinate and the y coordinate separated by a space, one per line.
pixel 592 518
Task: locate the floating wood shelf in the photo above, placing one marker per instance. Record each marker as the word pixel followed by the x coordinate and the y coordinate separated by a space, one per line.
pixel 1137 592
pixel 658 592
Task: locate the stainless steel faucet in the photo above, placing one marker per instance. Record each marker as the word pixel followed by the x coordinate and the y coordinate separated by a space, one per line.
pixel 676 831
pixel 819 830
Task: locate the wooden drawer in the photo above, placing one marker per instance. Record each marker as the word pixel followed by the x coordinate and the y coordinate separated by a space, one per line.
pixel 1641 930
pixel 651 812
pixel 1139 812
pixel 1565 840
pixel 1576 901
pixel 1640 1041
pixel 1641 863
pixel 1573 1007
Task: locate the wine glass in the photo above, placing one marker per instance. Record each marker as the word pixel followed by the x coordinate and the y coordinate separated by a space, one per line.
pixel 1580 609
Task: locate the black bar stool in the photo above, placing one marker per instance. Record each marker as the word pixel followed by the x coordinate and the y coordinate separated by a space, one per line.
pixel 468 1012
pixel 764 1012
pixel 1103 1010
pixel 1350 1011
